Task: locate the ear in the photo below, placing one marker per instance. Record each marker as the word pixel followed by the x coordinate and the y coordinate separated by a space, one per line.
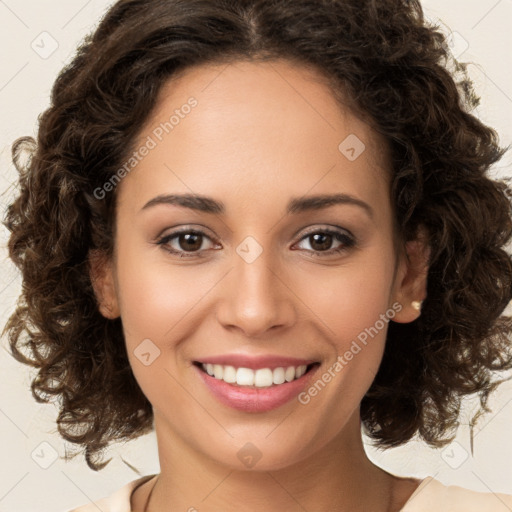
pixel 101 273
pixel 410 287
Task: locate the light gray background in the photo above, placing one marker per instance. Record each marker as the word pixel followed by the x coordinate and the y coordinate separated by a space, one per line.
pixel 482 35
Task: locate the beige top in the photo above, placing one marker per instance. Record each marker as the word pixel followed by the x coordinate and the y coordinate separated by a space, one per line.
pixel 430 496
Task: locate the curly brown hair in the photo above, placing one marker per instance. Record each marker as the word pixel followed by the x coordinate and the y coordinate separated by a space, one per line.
pixel 394 69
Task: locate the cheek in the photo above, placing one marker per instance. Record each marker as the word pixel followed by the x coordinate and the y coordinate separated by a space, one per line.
pixel 159 305
pixel 156 301
pixel 352 309
pixel 349 299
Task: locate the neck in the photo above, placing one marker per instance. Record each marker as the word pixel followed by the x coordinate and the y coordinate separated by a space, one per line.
pixel 338 477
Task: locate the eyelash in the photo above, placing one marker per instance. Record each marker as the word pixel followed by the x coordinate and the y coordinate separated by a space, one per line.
pixel 347 241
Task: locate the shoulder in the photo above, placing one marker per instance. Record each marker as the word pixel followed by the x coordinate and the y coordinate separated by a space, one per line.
pixel 433 495
pixel 119 501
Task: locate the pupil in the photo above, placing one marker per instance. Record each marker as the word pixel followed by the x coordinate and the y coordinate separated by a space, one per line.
pixel 190 238
pixel 323 239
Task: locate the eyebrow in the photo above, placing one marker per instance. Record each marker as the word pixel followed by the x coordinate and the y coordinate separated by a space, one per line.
pixel 295 205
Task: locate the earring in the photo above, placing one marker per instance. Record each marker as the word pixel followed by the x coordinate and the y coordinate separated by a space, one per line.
pixel 416 304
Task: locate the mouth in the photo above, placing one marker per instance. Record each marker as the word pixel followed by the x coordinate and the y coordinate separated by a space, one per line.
pixel 256 378
pixel 262 388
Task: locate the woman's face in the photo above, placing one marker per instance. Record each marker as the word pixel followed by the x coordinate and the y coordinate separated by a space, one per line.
pixel 286 253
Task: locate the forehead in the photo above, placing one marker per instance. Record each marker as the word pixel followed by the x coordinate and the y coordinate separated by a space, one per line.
pixel 269 127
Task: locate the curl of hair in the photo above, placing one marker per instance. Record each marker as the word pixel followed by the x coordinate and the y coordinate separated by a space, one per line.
pixel 392 68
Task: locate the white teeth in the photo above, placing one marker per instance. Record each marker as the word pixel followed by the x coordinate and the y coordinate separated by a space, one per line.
pixel 301 371
pixel 229 374
pixel 245 377
pixel 218 371
pixel 278 376
pixel 289 374
pixel 261 378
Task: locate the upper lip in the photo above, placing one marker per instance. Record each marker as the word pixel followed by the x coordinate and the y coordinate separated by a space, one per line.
pixel 255 362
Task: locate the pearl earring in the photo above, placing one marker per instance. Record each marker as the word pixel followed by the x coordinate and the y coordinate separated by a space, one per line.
pixel 416 304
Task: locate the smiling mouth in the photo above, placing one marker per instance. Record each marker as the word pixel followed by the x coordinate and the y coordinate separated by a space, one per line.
pixel 258 378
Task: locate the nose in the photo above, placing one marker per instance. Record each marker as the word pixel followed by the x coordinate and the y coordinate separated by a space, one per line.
pixel 255 298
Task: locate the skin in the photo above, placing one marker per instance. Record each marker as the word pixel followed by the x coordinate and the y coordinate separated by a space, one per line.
pixel 261 134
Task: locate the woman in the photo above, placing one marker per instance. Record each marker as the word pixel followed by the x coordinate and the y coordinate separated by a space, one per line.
pixel 257 226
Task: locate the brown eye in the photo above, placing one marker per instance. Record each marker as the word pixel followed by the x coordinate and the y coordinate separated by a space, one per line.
pixel 185 243
pixel 321 242
pixel 190 241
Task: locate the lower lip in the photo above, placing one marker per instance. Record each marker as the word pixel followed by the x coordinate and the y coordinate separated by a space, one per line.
pixel 255 399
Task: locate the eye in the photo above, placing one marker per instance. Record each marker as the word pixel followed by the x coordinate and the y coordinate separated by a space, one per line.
pixel 186 242
pixel 322 240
